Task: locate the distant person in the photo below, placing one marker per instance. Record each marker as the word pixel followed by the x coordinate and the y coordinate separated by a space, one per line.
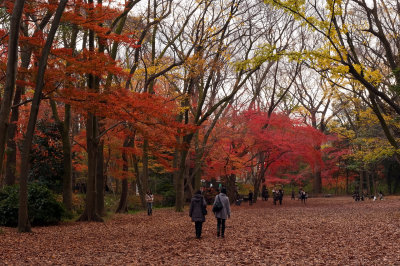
pixel 293 197
pixel 250 197
pixel 303 196
pixel 380 195
pixel 222 214
pixel 149 201
pixel 274 195
pixel 264 193
pixel 198 210
pixel 280 196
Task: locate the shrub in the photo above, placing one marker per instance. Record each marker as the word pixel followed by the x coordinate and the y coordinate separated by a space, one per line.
pixel 9 206
pixel 43 208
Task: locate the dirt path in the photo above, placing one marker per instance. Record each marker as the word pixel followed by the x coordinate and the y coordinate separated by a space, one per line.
pixel 335 231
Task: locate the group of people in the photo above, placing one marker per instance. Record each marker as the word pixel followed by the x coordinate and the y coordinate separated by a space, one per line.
pixel 198 212
pixel 302 195
pixel 361 196
pixel 277 195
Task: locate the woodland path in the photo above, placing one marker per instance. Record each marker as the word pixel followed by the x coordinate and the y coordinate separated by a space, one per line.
pixel 325 231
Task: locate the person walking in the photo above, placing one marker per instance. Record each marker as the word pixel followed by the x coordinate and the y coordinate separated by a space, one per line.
pixel 250 197
pixel 149 201
pixel 280 196
pixel 198 210
pixel 223 213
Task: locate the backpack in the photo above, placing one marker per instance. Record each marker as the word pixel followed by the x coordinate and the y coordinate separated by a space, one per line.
pixel 217 205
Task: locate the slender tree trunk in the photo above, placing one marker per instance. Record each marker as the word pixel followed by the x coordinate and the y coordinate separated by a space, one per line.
pixel 123 203
pixel 67 159
pixel 11 73
pixel 230 184
pixel 90 212
pixel 144 177
pixel 197 163
pixel 117 186
pixel 92 142
pixel 64 128
pixel 11 163
pixel 142 192
pixel 258 180
pixel 180 180
pixel 374 183
pixel 100 180
pixel 23 220
pixel 362 178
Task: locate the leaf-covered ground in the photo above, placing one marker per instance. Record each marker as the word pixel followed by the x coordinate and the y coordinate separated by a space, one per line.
pixel 324 231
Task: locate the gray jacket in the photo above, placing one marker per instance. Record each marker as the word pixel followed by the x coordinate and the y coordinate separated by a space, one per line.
pixel 226 210
pixel 196 211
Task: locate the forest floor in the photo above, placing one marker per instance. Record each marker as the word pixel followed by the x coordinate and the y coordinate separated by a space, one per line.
pixel 324 231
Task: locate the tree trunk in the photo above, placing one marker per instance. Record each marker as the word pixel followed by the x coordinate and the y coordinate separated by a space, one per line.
pixel 197 164
pixel 123 203
pixel 11 73
pixel 90 212
pixel 116 185
pixel 230 184
pixel 23 220
pixel 92 142
pixel 100 180
pixel 362 178
pixel 180 182
pixel 67 160
pixel 11 163
pixel 144 177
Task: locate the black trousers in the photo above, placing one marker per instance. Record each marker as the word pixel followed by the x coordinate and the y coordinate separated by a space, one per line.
pixel 219 223
pixel 198 226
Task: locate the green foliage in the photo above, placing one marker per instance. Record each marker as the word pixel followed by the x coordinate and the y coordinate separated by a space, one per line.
pixel 47 157
pixel 9 206
pixel 166 189
pixel 43 208
pixel 244 189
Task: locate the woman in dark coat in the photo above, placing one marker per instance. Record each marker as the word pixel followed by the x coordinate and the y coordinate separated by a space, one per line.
pixel 198 210
pixel 224 213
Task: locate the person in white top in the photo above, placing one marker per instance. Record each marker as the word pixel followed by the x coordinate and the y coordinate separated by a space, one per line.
pixel 149 200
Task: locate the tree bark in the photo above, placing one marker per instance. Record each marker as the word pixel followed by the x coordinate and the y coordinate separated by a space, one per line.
pixel 180 178
pixel 92 142
pixel 11 163
pixel 100 180
pixel 90 212
pixel 11 73
pixel 123 202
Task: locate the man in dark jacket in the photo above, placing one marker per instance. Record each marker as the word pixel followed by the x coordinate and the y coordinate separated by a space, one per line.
pixel 198 210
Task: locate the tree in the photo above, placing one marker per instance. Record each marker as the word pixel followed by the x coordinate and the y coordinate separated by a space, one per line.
pixel 12 63
pixel 349 49
pixel 23 220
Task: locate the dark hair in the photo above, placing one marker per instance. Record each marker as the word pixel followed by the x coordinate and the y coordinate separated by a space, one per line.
pixel 223 190
pixel 198 192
